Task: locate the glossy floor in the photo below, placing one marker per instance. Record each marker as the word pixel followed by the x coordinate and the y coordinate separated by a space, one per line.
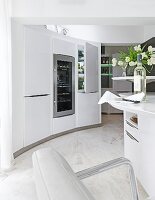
pixel 81 149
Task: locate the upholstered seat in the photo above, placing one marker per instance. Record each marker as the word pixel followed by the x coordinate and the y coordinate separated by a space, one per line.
pixel 55 180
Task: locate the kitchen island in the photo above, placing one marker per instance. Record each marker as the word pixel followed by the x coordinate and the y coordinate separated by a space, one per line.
pixel 139 139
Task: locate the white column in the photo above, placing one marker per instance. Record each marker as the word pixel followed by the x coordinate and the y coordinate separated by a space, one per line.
pixel 6 156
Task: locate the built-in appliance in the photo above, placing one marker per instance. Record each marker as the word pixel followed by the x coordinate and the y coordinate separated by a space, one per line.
pixel 64 85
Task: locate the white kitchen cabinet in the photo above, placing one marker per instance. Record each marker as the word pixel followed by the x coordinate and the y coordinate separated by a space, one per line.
pixel 37 119
pixel 61 124
pixel 131 150
pixel 88 67
pixel 32 75
pixel 147 153
pixel 132 141
pixel 88 110
pixel 139 149
pixel 37 62
pixel 139 145
pixel 63 47
pixel 91 70
pixel 37 85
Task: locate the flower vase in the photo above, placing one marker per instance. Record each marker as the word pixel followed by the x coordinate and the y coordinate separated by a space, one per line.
pixel 124 66
pixel 124 72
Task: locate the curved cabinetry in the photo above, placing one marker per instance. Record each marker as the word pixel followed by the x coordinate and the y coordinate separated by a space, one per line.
pixel 33 90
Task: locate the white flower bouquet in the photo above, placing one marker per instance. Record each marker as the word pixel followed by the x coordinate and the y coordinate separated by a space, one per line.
pixel 129 58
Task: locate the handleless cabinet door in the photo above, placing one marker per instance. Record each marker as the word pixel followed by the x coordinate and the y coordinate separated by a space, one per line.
pixel 64 47
pixel 37 119
pixel 37 62
pixel 92 75
pixel 88 112
pixel 131 150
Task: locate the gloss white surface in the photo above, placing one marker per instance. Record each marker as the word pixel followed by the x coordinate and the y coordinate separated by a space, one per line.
pixel 145 107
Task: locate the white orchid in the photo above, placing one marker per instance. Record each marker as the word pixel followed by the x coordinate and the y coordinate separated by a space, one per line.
pixel 137 48
pixel 132 63
pixel 144 55
pixel 127 59
pixel 120 63
pixel 149 62
pixel 150 49
pixel 114 62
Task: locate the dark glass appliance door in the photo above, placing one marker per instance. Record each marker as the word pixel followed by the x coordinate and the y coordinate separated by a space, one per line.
pixel 64 86
pixel 64 91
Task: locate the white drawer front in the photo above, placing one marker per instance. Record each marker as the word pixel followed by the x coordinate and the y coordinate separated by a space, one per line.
pixel 131 150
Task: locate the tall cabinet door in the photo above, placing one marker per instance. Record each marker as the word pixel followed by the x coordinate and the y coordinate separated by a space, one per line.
pixel 92 75
pixel 37 85
pixel 37 62
pixel 37 119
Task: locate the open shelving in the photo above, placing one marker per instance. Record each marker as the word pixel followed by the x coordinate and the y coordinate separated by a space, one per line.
pixel 106 71
pixel 81 68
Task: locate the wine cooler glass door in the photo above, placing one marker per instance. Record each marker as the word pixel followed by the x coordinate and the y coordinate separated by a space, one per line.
pixel 64 88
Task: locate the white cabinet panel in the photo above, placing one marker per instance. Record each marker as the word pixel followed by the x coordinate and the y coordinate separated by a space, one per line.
pixel 65 123
pixel 37 74
pixel 88 112
pixel 37 119
pixel 92 74
pixel 147 152
pixel 37 41
pixel 131 150
pixel 64 47
pixel 37 62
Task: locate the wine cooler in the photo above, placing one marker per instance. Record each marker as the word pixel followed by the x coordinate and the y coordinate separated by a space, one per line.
pixel 64 85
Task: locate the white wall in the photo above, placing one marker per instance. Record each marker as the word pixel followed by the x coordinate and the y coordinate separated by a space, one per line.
pixel 107 34
pixel 149 32
pixel 17 85
pixel 83 8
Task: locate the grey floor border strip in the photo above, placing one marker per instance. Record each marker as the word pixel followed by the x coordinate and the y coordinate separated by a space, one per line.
pixel 23 150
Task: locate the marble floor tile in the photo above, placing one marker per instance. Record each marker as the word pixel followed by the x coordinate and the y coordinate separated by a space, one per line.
pixel 81 149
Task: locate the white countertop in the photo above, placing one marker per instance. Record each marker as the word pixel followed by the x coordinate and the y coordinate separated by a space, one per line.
pixel 147 107
pixel 131 78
